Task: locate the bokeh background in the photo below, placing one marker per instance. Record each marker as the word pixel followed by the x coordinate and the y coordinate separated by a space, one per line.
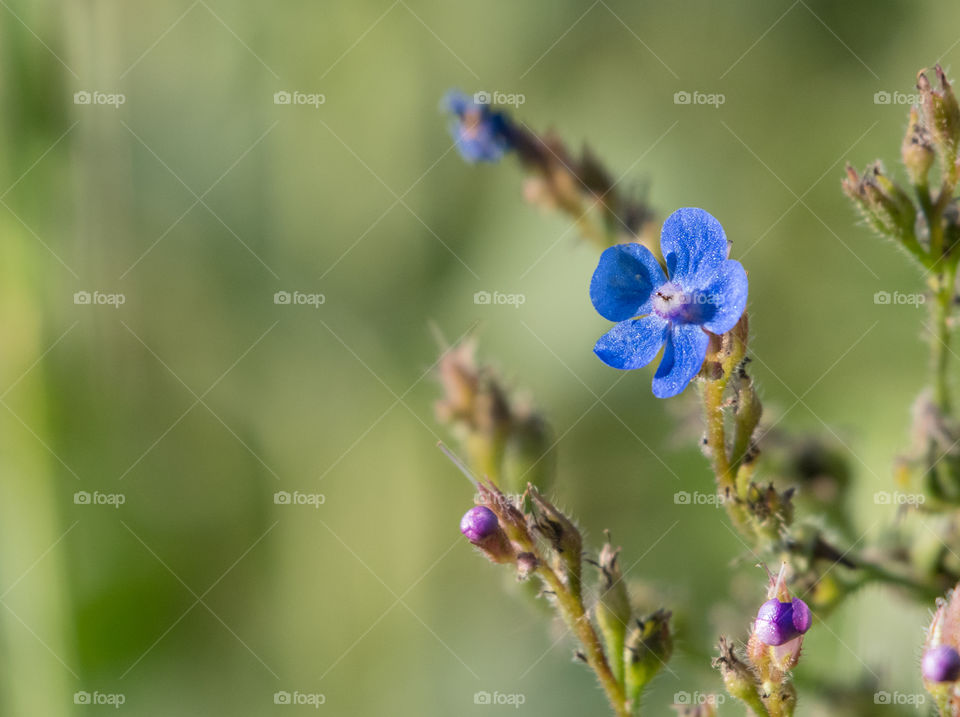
pixel 199 397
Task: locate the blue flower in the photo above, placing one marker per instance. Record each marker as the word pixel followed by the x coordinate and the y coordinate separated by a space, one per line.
pixel 482 134
pixel 705 291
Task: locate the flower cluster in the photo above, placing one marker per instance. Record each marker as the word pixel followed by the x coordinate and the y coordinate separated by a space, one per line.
pixel 537 539
pixel 556 177
pixel 504 438
pixel 686 300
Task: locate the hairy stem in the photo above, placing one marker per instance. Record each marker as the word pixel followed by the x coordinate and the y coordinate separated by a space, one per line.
pixel 753 701
pixel 716 437
pixel 940 342
pixel 579 623
pixel 873 572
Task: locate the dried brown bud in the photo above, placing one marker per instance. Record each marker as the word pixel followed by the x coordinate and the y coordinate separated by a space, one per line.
pixel 917 150
pixel 941 112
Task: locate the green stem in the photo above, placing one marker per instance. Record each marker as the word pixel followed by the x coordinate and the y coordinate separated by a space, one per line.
pixel 753 701
pixel 877 573
pixel 942 284
pixel 579 623
pixel 940 343
pixel 716 437
pixel 726 466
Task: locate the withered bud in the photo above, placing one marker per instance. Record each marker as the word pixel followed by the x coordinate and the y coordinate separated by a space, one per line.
pixel 941 112
pixel 649 645
pixel 738 677
pixel 613 607
pixel 561 534
pixel 555 527
pixel 772 509
pixel 459 380
pixel 917 150
pixel 882 201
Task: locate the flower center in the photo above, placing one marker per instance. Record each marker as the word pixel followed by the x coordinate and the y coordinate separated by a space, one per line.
pixel 471 123
pixel 670 302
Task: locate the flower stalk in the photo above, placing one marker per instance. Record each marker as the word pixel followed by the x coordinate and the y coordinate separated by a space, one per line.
pixel 541 542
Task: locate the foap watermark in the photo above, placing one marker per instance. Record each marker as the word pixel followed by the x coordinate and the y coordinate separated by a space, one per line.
pixel 311 99
pixel 698 698
pixel 99 298
pixel 497 298
pixel 714 99
pixel 898 298
pixel 899 698
pixel 684 497
pixel 514 99
pixel 83 497
pixel 283 497
pixel 110 99
pixel 882 97
pixel 885 497
pixel 308 699
pixel 514 500
pixel 298 298
pixel 514 699
pixel 112 699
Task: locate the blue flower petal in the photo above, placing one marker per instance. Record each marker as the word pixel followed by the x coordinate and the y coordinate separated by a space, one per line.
pixel 456 102
pixel 727 292
pixel 632 344
pixel 624 281
pixel 682 359
pixel 692 242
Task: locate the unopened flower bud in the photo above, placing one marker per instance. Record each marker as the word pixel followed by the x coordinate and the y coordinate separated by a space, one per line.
pixel 779 622
pixel 649 646
pixel 772 509
pixel 613 607
pixel 883 203
pixel 777 636
pixel 478 524
pixel 738 678
pixel 482 528
pixel 614 601
pixel 476 406
pixel 458 376
pixel 942 113
pixel 562 535
pixel 941 664
pixel 917 150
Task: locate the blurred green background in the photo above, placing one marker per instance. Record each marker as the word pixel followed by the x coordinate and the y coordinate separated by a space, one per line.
pixel 199 397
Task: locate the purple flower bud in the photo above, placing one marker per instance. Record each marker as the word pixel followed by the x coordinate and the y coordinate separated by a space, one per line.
pixel 780 622
pixel 941 664
pixel 482 527
pixel 478 524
